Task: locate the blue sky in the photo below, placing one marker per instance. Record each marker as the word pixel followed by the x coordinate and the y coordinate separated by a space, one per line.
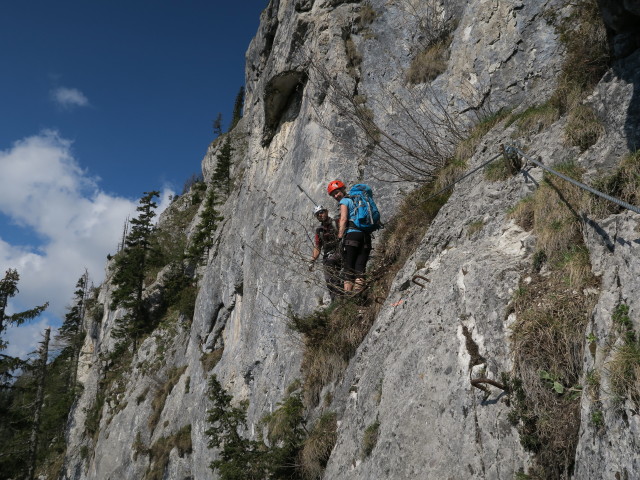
pixel 99 102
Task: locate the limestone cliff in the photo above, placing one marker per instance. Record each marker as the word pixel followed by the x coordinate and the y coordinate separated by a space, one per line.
pixel 356 91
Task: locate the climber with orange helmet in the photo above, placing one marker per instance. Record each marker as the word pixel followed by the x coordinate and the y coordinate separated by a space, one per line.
pixel 326 242
pixel 356 244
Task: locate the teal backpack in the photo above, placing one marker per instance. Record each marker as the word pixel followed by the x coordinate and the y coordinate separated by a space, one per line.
pixel 367 216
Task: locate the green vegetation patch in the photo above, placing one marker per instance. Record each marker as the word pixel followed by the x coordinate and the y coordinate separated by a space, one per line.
pixel 370 438
pixel 624 365
pixel 290 451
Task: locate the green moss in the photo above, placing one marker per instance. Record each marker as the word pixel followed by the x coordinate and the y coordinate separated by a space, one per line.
pixel 370 438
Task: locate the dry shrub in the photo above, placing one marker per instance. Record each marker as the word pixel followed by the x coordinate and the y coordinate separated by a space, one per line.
pixel 318 445
pixel 429 63
pixel 583 127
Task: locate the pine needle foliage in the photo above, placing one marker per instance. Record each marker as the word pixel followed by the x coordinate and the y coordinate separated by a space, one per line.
pixel 129 274
pixel 202 240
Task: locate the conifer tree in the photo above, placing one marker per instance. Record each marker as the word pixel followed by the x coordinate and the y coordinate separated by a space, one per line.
pixel 202 239
pixel 15 424
pixel 71 333
pixel 129 273
pixel 237 108
pixel 221 178
pixel 217 125
pixel 9 289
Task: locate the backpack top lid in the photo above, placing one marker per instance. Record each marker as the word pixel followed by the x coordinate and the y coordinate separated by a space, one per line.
pixel 360 188
pixel 367 216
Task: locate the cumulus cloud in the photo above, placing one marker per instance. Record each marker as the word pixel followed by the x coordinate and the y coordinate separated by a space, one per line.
pixel 43 189
pixel 69 98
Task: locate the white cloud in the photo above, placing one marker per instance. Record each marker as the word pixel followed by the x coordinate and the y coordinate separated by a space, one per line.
pixel 43 189
pixel 69 97
pixel 25 339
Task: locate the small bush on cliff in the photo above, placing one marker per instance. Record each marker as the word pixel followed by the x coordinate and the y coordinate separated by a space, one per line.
pixel 292 453
pixel 239 457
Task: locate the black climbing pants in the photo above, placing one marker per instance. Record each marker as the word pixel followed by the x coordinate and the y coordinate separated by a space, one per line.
pixel 356 251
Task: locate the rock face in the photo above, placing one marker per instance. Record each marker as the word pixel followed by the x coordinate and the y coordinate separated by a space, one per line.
pixel 412 372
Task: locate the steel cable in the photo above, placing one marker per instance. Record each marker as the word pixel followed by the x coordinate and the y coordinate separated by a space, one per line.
pixel 509 149
pixel 463 177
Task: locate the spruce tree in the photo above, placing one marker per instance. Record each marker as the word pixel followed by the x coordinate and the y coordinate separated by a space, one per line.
pixel 71 332
pixel 9 289
pixel 15 423
pixel 129 274
pixel 221 178
pixel 237 108
pixel 202 239
pixel 217 125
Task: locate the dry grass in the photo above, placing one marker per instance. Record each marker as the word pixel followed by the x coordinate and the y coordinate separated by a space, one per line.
pixel 552 314
pixel 624 184
pixel 587 58
pixel 583 127
pixel 429 63
pixel 535 119
pixel 157 404
pixel 160 450
pixel 474 227
pixel 624 365
pixel 331 337
pixel 367 14
pixel 548 336
pixel 553 213
pixel 317 447
pixel 497 171
pixel 210 359
pixel 624 371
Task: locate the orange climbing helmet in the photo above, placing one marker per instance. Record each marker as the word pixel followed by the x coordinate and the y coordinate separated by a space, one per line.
pixel 335 185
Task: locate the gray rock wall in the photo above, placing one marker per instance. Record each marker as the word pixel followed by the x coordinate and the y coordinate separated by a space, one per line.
pixel 413 370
